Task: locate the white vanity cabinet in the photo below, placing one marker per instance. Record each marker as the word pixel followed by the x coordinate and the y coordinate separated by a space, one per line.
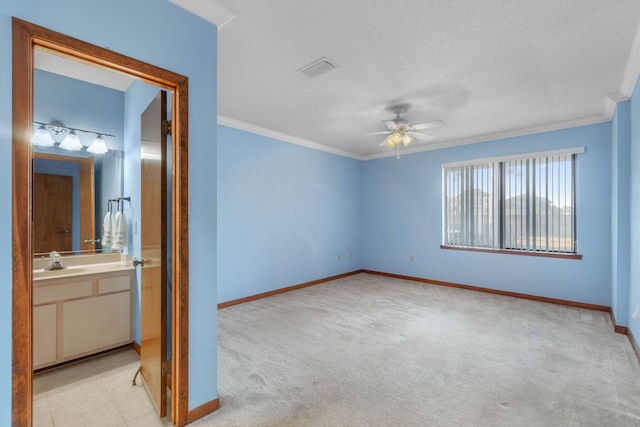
pixel 75 316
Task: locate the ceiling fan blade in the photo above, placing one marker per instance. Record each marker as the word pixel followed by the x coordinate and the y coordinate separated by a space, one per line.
pixel 421 136
pixel 392 125
pixel 427 125
pixel 385 132
pixel 384 142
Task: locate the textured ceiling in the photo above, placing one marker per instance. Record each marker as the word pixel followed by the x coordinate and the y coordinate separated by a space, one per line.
pixel 486 68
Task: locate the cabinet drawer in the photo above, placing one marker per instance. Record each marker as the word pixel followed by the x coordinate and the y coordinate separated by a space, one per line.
pixel 114 284
pixel 61 292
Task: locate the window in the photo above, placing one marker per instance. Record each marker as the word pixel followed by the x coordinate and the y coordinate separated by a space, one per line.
pixel 516 203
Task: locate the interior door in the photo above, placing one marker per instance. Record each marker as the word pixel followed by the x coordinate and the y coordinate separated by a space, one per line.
pixel 153 226
pixel 52 194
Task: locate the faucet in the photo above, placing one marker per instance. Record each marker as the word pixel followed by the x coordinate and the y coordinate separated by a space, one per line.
pixel 55 262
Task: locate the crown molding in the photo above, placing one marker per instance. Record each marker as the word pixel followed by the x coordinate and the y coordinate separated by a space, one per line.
pixel 237 124
pixel 610 102
pixel 209 10
pixel 493 136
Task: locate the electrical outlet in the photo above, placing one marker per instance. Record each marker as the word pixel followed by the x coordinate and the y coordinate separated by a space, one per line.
pixel 411 258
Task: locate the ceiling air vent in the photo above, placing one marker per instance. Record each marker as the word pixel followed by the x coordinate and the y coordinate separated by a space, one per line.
pixel 318 67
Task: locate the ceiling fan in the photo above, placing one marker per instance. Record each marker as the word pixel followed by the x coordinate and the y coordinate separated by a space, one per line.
pixel 401 131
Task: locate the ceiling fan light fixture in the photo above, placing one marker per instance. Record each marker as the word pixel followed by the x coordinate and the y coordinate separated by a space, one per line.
pixel 389 142
pixel 396 137
pixel 406 139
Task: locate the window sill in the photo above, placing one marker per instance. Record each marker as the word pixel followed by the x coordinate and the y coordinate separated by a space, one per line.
pixel 512 252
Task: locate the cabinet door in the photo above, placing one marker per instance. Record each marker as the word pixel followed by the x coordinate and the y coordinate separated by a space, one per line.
pixel 93 324
pixel 44 334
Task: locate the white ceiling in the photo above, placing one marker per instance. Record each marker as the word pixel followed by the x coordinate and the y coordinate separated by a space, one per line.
pixel 488 69
pixel 54 62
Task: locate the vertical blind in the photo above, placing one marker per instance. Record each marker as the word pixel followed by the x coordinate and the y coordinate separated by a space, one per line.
pixel 524 204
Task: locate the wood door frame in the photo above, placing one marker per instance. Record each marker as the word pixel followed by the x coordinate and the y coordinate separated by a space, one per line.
pixel 26 36
pixel 87 196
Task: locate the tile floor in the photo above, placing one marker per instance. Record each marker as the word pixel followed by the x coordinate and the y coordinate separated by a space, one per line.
pixel 95 392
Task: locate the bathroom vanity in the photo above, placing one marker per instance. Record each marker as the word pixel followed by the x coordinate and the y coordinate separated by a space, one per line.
pixel 83 309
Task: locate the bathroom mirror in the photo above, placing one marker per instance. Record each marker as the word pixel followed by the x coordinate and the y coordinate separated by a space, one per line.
pixel 72 189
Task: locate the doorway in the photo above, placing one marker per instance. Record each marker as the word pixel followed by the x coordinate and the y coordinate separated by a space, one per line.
pixel 26 37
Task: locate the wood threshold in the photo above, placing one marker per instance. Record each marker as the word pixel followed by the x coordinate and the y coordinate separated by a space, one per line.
pixel 508 252
pixel 283 290
pixel 203 410
pixel 82 359
pixel 496 291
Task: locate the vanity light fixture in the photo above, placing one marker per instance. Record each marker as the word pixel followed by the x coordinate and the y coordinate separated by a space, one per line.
pixel 71 142
pixel 44 137
pixel 98 146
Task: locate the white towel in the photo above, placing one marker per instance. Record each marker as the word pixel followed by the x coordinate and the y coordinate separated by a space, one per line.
pixel 119 232
pixel 107 228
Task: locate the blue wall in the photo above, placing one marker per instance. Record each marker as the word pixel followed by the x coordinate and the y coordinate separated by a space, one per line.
pixel 137 29
pixel 634 276
pixel 402 210
pixel 620 211
pixel 285 213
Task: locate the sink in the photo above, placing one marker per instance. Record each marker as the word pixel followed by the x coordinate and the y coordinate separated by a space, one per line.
pixel 69 271
pixel 81 269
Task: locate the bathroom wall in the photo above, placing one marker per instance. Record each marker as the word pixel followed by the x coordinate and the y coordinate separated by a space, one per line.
pixel 137 29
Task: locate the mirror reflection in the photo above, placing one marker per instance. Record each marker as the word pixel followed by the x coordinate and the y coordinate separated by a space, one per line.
pixel 73 185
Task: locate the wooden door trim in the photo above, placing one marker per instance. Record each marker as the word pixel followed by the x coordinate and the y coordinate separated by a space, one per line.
pixel 86 165
pixel 25 37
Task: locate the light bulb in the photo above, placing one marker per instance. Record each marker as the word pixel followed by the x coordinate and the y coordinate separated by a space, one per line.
pixel 396 137
pixel 389 142
pixel 406 139
pixel 98 146
pixel 42 137
pixel 71 142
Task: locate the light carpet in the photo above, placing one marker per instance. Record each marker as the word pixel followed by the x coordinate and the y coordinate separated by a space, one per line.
pixel 368 350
